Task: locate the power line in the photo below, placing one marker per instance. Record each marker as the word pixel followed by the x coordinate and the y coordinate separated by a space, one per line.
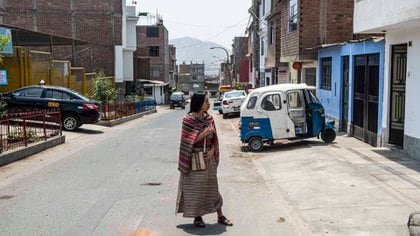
pixel 203 26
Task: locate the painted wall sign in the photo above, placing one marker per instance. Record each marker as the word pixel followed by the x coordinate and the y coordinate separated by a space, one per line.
pixel 4 80
pixel 9 47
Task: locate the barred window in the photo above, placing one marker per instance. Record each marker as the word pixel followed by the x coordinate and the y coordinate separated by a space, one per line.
pixel 152 32
pixel 326 73
pixel 154 51
pixel 293 15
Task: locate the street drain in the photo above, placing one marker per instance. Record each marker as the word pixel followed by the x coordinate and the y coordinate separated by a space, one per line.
pixel 152 184
pixel 5 197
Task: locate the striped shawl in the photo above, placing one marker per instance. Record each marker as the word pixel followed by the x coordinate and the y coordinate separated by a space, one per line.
pixel 191 127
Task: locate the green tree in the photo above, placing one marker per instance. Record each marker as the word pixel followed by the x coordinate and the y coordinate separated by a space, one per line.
pixel 238 86
pixel 103 90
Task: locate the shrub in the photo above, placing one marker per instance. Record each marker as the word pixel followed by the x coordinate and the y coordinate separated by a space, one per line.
pixel 103 90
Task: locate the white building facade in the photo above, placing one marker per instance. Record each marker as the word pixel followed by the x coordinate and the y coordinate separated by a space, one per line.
pixel 400 21
pixel 265 10
pixel 124 53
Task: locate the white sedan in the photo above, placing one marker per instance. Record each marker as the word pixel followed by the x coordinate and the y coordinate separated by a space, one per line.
pixel 232 101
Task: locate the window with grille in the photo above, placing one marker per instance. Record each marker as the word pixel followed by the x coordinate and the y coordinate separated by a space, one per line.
pixel 152 32
pixel 154 51
pixel 293 15
pixel 326 73
pixel 154 72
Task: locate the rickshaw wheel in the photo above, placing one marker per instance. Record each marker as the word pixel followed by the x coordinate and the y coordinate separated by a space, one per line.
pixel 255 144
pixel 328 135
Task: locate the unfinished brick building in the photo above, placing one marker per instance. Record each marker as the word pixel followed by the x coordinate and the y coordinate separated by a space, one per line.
pixel 97 22
pixel 309 23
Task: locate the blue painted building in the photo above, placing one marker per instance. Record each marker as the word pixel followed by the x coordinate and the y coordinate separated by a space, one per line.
pixel 350 82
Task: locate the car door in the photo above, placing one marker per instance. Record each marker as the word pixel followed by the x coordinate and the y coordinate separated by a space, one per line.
pixel 27 98
pixel 55 98
pixel 271 106
pixel 297 112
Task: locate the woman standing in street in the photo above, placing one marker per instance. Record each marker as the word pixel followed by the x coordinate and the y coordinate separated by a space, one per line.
pixel 198 190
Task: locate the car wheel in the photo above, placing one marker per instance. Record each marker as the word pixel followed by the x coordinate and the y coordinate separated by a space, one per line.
pixel 220 112
pixel 255 144
pixel 70 122
pixel 225 116
pixel 328 135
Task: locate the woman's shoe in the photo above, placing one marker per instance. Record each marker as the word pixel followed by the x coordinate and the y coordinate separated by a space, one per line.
pixel 223 220
pixel 198 221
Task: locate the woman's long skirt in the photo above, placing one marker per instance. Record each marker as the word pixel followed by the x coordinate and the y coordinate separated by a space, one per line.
pixel 198 192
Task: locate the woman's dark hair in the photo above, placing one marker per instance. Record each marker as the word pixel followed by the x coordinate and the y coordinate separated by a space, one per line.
pixel 197 101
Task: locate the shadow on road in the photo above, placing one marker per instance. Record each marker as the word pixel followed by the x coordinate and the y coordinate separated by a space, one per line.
pixel 289 146
pixel 210 229
pixel 87 131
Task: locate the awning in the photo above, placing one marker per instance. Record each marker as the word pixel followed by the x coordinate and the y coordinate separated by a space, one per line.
pixel 373 38
pixel 25 37
pixel 147 82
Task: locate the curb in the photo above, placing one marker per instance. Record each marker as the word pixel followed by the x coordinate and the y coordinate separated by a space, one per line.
pixel 125 119
pixel 21 153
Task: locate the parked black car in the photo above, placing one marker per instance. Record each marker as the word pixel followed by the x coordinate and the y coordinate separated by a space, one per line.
pixel 75 108
pixel 177 100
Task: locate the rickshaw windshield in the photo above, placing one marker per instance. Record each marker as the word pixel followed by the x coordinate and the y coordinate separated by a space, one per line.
pixel 311 97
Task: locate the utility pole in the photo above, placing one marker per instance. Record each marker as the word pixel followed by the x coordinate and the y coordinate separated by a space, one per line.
pixel 227 63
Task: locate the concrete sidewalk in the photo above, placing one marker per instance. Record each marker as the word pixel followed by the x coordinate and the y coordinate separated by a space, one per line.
pixel 345 188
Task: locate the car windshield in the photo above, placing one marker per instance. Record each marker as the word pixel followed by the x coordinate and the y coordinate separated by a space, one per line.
pixel 176 97
pixel 235 94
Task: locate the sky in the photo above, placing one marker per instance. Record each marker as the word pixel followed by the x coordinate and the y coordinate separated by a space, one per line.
pixel 217 21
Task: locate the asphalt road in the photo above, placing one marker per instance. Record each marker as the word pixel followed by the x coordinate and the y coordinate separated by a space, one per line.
pixel 123 181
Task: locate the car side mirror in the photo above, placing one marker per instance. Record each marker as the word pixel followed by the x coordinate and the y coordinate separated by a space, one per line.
pixel 12 95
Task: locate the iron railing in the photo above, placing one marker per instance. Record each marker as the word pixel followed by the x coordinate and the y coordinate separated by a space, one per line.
pixel 112 111
pixel 22 128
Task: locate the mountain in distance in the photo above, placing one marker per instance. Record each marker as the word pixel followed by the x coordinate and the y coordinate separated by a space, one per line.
pixel 194 50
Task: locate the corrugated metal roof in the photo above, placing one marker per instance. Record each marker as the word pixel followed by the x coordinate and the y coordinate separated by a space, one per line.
pixel 374 39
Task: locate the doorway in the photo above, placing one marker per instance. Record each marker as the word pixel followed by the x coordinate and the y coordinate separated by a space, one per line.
pixel 366 92
pixel 398 80
pixel 345 94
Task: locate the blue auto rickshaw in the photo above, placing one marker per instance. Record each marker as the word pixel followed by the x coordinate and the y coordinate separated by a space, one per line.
pixel 283 111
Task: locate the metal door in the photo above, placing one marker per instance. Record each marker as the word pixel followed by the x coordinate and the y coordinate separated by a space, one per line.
pixel 398 79
pixel 345 95
pixel 297 113
pixel 366 87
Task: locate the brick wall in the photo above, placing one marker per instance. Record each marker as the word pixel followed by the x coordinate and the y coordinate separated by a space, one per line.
pixel 277 20
pixel 143 44
pixel 184 68
pixel 319 22
pixel 323 22
pixel 289 40
pixel 96 21
pixel 309 23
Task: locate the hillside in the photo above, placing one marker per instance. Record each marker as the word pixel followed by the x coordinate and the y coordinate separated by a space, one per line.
pixel 191 49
